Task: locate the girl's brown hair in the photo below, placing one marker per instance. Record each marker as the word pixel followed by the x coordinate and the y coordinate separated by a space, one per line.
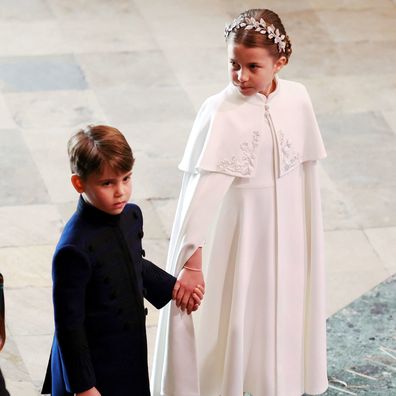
pixel 251 39
pixel 95 146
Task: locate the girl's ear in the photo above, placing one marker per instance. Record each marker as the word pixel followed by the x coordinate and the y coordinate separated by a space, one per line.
pixel 77 183
pixel 280 63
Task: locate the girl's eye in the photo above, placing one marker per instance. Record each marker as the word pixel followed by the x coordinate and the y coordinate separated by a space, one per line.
pixel 233 64
pixel 106 183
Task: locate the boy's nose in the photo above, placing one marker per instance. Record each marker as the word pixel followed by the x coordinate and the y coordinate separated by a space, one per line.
pixel 119 190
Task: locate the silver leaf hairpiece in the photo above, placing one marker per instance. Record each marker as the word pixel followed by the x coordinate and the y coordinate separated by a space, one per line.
pixel 250 23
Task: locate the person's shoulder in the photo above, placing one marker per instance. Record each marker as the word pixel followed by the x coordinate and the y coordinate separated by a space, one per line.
pixel 73 230
pixel 293 86
pixel 212 102
pixel 132 211
pixel 295 91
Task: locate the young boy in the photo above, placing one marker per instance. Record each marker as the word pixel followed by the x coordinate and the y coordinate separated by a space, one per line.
pixel 100 277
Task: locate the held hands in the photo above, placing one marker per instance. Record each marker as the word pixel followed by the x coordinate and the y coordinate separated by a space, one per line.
pixel 90 392
pixel 190 287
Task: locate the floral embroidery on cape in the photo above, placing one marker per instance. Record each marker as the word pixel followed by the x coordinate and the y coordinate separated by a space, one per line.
pixel 289 157
pixel 244 163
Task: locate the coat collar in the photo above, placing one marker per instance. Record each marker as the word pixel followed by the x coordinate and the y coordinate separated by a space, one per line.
pixel 95 215
pixel 257 99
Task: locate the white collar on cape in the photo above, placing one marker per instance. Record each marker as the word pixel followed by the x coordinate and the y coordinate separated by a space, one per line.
pixel 226 133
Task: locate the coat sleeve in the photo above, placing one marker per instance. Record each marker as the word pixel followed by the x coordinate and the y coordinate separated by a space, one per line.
pixel 175 368
pixel 157 283
pixel 200 198
pixel 71 273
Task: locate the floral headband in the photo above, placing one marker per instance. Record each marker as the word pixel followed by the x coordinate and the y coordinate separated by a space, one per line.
pixel 260 27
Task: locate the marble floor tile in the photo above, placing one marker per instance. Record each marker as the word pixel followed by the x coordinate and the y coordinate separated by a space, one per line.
pixel 375 206
pixel 27 266
pixel 66 209
pixel 166 209
pixel 24 11
pixel 151 222
pixel 361 149
pixel 29 225
pixel 22 388
pixel 55 109
pixel 7 121
pixel 151 337
pixel 29 311
pixel 177 32
pixel 310 60
pixel 34 38
pixel 41 73
pixel 21 182
pixel 129 69
pixel 305 28
pixel 82 10
pixel 341 5
pixel 148 137
pixel 126 106
pixel 156 250
pixel 361 343
pixel 353 267
pixel 155 178
pixel 280 7
pixel 48 147
pixel 390 118
pixel 181 8
pixel 338 211
pixel 352 94
pixel 199 93
pixel 383 241
pixel 35 352
pixel 11 362
pixel 348 24
pixel 199 66
pixel 115 35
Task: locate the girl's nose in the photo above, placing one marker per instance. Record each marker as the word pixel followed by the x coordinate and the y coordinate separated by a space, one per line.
pixel 242 75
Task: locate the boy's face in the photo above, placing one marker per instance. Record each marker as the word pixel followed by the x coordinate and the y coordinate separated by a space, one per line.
pixel 108 191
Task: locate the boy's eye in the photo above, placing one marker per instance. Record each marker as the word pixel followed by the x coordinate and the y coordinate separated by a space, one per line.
pixel 106 183
pixel 126 178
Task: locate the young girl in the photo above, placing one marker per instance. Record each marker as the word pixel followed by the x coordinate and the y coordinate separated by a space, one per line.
pixel 250 197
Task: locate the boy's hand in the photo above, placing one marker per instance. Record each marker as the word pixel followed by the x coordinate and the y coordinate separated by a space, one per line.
pixel 90 392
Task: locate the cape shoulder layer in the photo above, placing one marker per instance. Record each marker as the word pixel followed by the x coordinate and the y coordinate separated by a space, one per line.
pixel 226 133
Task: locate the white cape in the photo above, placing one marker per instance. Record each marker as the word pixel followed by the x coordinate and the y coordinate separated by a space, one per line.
pixel 224 147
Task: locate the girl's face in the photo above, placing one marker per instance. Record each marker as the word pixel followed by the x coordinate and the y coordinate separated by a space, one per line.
pixel 252 70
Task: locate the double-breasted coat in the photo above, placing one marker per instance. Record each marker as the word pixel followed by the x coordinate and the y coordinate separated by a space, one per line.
pixel 100 277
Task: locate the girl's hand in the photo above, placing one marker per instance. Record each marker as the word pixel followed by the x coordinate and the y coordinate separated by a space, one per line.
pixel 188 281
pixel 195 300
pixel 90 392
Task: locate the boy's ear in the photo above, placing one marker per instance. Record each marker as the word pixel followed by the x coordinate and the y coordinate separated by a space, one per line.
pixel 77 183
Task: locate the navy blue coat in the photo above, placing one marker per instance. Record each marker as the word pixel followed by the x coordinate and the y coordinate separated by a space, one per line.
pixel 100 277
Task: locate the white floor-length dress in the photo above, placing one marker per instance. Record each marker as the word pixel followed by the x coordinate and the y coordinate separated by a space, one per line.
pixel 261 328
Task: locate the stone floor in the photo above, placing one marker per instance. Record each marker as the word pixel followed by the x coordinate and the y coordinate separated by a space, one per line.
pixel 145 67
